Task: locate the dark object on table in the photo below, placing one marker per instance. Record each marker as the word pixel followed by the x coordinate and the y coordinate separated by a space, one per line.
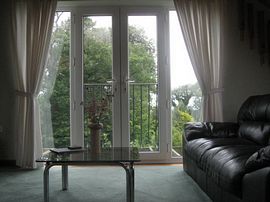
pixel 74 147
pixel 66 150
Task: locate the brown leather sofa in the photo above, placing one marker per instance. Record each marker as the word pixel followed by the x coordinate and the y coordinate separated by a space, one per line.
pixel 230 161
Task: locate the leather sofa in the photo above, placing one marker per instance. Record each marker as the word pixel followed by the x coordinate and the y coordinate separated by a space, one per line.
pixel 230 161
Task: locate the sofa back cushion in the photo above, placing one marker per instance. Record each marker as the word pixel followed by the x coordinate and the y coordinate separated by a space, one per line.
pixel 210 129
pixel 254 119
pixel 258 132
pixel 255 108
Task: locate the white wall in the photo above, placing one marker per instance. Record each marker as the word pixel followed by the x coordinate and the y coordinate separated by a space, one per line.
pixel 243 76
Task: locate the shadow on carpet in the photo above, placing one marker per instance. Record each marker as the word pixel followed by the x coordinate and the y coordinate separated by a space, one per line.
pixel 101 184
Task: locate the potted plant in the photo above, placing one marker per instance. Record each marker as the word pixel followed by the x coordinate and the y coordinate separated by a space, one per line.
pixel 96 109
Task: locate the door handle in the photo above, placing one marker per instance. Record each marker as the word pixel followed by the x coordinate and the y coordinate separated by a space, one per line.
pixel 128 81
pixel 111 81
pixel 113 87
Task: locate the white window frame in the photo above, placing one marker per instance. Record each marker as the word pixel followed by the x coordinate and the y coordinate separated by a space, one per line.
pixel 164 96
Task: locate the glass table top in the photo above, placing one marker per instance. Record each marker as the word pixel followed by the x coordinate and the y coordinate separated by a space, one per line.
pixel 106 155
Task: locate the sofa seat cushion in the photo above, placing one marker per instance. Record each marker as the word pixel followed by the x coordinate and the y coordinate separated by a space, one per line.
pixel 197 148
pixel 226 165
pixel 222 159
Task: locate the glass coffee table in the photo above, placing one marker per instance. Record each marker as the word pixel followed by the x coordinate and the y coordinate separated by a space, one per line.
pixel 123 156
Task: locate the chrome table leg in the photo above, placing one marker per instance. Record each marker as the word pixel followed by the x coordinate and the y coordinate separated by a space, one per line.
pixel 64 177
pixel 129 181
pixel 46 182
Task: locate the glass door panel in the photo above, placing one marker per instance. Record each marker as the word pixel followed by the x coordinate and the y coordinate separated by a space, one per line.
pixel 54 95
pixel 120 63
pixel 185 91
pixel 143 83
pixel 97 76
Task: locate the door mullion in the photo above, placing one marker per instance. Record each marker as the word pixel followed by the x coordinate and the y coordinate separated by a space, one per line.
pixel 76 80
pixel 116 122
pixel 124 78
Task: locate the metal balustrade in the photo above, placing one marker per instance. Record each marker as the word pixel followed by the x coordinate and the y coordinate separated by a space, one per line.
pixel 143 106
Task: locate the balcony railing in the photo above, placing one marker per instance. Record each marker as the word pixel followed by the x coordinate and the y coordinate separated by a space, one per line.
pixel 143 106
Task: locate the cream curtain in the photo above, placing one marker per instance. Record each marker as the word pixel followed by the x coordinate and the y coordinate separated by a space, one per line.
pixel 32 22
pixel 201 23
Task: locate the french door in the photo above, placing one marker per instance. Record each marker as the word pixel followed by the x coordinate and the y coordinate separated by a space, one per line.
pixel 118 74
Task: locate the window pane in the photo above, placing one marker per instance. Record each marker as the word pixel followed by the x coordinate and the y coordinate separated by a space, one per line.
pixel 185 91
pixel 142 47
pixel 55 88
pixel 97 64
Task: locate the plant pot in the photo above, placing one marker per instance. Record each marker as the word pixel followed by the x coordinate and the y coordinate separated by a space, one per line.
pixel 95 129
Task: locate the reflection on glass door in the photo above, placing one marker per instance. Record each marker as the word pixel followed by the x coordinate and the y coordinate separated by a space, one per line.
pixel 143 83
pixel 97 77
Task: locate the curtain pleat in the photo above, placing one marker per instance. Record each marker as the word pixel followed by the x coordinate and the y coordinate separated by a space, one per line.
pixel 201 23
pixel 32 22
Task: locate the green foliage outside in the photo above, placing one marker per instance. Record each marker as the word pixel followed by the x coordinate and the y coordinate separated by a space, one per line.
pixel 186 102
pixel 143 108
pixel 97 59
pixel 55 88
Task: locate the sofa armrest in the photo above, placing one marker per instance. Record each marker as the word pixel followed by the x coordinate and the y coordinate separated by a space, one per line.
pixel 256 186
pixel 209 129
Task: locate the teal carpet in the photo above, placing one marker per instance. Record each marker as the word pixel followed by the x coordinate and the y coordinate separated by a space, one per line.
pixel 101 184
